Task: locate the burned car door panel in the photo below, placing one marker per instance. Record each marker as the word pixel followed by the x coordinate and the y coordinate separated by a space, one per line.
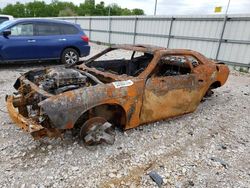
pixel 171 90
pixel 147 84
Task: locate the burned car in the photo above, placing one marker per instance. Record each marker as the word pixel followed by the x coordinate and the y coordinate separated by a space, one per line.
pixel 148 84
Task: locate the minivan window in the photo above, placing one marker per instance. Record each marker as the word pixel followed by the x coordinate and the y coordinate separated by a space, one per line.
pixel 3 19
pixel 47 29
pixel 22 30
pixel 69 29
pixel 5 24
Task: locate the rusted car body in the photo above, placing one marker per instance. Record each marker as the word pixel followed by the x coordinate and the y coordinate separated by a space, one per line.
pixel 159 84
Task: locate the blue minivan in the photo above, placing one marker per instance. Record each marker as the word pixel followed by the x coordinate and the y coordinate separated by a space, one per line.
pixel 42 39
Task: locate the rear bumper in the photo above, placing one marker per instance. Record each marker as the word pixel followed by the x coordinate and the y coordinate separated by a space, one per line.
pixel 85 50
pixel 27 124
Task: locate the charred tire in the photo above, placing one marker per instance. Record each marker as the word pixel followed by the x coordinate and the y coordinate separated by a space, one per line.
pixel 209 93
pixel 69 56
pixel 97 130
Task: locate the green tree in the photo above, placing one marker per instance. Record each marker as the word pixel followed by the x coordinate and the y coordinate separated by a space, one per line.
pixel 126 12
pixel 16 10
pixel 57 6
pixel 137 11
pixel 87 8
pixel 39 8
pixel 115 10
pixel 36 9
pixel 100 9
pixel 67 12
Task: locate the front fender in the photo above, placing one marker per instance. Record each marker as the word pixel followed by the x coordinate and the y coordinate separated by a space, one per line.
pixel 64 109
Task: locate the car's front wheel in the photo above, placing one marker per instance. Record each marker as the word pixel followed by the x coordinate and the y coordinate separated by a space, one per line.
pixel 97 130
pixel 69 56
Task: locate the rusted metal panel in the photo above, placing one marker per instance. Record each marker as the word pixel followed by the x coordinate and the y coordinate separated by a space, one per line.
pixel 28 124
pixel 59 98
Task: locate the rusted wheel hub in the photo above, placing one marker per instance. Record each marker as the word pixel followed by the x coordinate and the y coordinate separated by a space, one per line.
pixel 96 131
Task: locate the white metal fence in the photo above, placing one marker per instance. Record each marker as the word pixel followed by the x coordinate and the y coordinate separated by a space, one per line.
pixel 218 37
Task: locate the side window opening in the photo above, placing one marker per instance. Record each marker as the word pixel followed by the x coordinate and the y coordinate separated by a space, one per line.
pixel 172 66
pixel 193 61
pixel 132 63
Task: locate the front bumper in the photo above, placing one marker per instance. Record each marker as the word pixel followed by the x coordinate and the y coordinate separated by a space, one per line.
pixel 27 124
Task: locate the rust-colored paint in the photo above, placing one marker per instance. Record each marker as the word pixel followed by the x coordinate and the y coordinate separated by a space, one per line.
pixel 28 124
pixel 149 98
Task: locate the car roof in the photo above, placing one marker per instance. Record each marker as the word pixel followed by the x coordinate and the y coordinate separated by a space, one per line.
pixel 146 48
pixel 43 20
pixel 138 47
pixel 149 48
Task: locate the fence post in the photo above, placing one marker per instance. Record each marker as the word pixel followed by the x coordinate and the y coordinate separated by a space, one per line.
pixel 109 30
pixel 221 37
pixel 170 31
pixel 90 28
pixel 135 29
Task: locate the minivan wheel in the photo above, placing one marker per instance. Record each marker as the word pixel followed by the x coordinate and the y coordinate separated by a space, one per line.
pixel 69 56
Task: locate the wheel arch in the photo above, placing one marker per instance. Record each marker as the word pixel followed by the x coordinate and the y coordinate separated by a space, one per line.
pixel 112 112
pixel 73 47
pixel 215 84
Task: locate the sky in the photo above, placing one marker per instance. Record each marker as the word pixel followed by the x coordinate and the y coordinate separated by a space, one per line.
pixel 169 7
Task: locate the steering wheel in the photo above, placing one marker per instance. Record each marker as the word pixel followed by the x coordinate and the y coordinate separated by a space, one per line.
pixel 138 72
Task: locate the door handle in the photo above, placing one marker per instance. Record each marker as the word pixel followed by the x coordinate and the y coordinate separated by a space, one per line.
pixel 31 40
pixel 62 39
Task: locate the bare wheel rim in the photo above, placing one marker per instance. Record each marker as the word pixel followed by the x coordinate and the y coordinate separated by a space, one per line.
pixel 97 130
pixel 71 57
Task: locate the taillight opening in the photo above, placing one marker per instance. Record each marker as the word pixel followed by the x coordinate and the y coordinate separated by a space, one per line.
pixel 85 38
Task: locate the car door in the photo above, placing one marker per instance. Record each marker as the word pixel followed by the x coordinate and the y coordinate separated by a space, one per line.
pixel 20 44
pixel 50 40
pixel 171 90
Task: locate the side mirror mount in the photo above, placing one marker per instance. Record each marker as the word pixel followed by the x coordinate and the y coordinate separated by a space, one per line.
pixel 6 32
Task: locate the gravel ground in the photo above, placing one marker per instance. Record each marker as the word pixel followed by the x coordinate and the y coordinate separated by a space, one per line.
pixel 208 148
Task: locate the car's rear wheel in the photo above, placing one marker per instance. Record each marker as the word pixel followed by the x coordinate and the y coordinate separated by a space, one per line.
pixel 97 130
pixel 209 93
pixel 69 56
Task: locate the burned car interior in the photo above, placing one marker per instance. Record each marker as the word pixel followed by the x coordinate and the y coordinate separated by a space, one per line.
pixel 131 67
pixel 172 66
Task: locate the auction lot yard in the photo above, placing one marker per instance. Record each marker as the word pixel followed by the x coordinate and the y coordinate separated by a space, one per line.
pixel 207 148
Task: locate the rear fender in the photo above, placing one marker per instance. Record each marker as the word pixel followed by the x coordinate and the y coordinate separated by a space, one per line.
pixel 222 73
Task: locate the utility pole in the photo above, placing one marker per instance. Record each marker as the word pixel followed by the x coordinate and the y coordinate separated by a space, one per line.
pixel 227 7
pixel 155 7
pixel 222 32
pixel 109 10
